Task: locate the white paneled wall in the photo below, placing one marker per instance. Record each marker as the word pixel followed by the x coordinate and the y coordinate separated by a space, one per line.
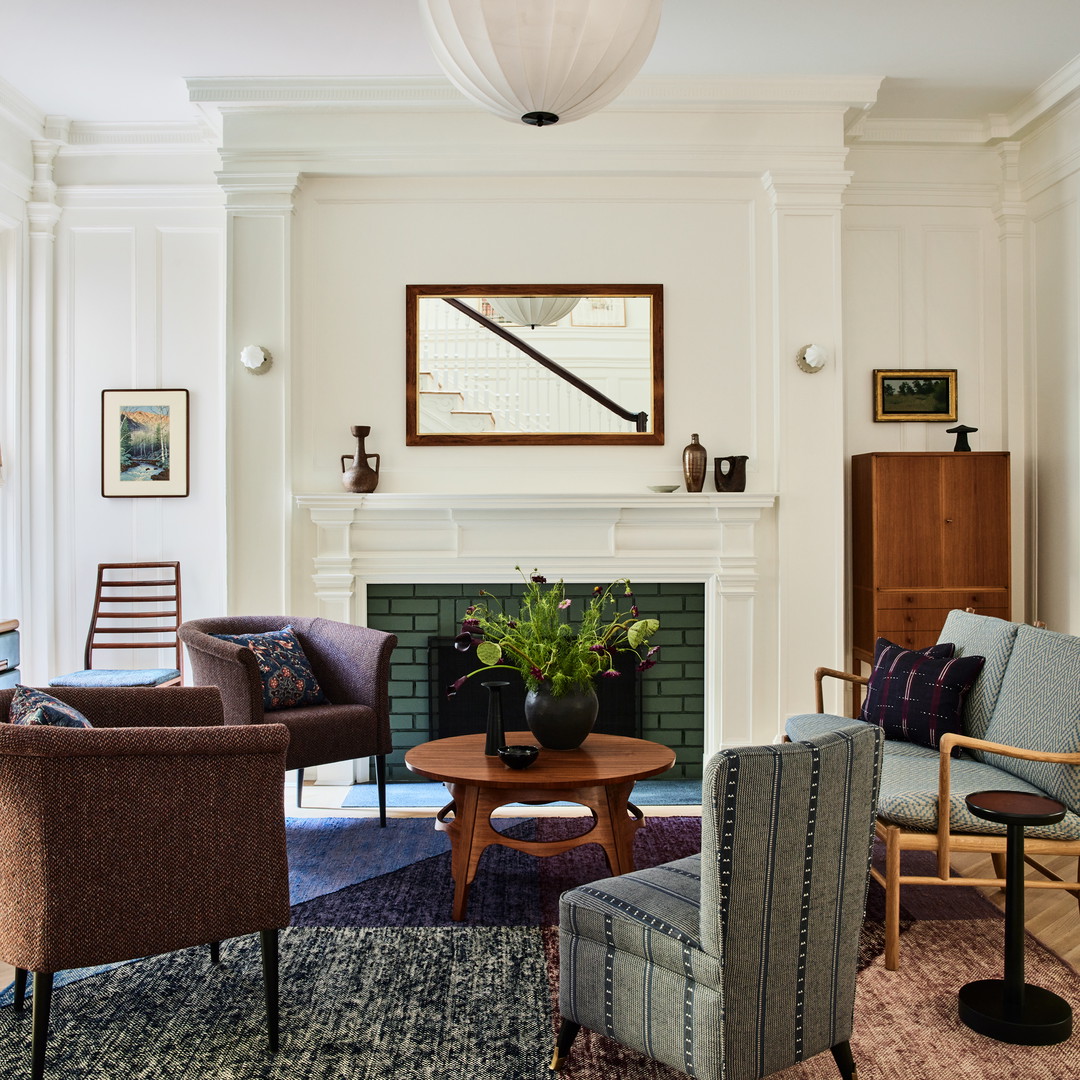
pixel 140 302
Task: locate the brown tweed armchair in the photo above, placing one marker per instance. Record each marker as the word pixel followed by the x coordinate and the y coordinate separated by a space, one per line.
pixel 351 664
pixel 158 829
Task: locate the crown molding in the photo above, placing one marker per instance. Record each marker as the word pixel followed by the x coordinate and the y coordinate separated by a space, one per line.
pixel 145 138
pixel 140 196
pixel 435 92
pixel 894 193
pixel 21 111
pixel 885 130
pixel 1049 96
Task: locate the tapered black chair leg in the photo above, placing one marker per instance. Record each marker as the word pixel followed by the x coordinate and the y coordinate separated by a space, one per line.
pixel 841 1053
pixel 268 940
pixel 20 988
pixel 215 952
pixel 568 1030
pixel 43 984
pixel 380 780
pixel 299 787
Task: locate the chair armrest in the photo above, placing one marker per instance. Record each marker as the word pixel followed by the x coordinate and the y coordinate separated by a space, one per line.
pixel 232 668
pixel 945 747
pixel 352 663
pixel 832 673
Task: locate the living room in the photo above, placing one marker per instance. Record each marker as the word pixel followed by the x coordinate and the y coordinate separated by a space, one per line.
pixel 783 189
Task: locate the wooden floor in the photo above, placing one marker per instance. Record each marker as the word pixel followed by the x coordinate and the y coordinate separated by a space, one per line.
pixel 1052 915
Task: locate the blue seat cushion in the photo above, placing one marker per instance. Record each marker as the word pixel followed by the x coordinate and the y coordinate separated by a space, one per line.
pixel 909 782
pixel 35 707
pixel 117 677
pixel 287 679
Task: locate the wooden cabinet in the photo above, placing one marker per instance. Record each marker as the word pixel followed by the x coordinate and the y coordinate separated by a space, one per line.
pixel 930 532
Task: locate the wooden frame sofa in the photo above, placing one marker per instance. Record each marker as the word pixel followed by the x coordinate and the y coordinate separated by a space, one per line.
pixel 1021 732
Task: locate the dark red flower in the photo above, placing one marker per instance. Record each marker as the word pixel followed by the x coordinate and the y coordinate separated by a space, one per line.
pixel 611 673
pixel 455 686
pixel 539 579
pixel 537 674
pixel 464 642
pixel 470 626
pixel 633 610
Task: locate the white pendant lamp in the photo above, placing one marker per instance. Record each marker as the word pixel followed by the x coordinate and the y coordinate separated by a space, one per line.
pixel 541 61
pixel 533 310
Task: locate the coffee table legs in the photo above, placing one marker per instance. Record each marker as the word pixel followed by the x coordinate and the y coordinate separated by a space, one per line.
pixel 466 820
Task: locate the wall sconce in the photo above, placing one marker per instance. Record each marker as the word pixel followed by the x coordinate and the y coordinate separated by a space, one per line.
pixel 256 359
pixel 811 358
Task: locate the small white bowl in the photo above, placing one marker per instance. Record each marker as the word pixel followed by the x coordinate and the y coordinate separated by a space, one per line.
pixel 664 487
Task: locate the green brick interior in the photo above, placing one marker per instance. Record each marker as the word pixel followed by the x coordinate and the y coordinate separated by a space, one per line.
pixel 673 692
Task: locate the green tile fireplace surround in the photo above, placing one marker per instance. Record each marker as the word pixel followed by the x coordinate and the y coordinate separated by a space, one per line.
pixel 672 692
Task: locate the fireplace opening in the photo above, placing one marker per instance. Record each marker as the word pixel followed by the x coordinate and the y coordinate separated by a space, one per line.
pixel 465 713
pixel 671 695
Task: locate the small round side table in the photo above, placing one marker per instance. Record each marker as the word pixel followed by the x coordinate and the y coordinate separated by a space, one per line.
pixel 1009 1009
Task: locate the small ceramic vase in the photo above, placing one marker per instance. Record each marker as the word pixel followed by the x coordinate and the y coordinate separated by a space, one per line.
pixel 730 473
pixel 694 460
pixel 360 476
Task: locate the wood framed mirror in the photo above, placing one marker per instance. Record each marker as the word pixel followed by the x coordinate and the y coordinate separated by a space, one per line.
pixel 518 365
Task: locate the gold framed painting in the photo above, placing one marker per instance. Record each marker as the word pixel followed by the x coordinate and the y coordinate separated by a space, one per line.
pixel 923 395
pixel 144 443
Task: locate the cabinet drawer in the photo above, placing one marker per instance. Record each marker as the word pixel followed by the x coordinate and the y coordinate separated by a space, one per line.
pixel 892 620
pixel 912 639
pixel 980 599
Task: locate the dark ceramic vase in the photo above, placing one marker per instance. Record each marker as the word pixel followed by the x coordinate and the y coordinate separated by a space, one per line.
pixel 730 473
pixel 360 476
pixel 561 723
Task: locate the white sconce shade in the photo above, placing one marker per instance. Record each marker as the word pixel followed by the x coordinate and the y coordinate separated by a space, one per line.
pixel 541 61
pixel 255 358
pixel 533 310
pixel 811 358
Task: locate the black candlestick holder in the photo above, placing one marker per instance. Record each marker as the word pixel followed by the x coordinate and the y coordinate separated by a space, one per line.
pixel 496 737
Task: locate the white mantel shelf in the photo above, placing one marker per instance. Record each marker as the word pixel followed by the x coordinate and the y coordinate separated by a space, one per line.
pixel 647 537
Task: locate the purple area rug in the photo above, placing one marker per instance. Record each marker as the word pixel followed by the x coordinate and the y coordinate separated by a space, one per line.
pixel 512 888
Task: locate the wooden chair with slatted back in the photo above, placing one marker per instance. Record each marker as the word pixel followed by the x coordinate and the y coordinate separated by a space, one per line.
pixel 136 606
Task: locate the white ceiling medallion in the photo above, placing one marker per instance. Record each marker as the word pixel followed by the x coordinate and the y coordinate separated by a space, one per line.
pixel 541 61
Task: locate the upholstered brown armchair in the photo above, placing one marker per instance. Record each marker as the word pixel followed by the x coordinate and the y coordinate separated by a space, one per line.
pixel 157 829
pixel 352 665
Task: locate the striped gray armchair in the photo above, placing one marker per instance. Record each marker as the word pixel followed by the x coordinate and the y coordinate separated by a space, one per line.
pixel 740 961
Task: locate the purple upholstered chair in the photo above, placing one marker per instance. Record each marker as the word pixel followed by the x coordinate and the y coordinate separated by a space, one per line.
pixel 157 829
pixel 351 664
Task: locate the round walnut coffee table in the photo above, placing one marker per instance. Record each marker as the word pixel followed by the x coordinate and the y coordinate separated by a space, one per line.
pixel 600 775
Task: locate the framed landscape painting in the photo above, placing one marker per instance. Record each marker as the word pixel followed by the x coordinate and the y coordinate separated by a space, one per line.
pixel 144 443
pixel 915 395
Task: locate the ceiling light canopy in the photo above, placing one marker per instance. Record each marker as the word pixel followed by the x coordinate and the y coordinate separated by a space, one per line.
pixel 541 61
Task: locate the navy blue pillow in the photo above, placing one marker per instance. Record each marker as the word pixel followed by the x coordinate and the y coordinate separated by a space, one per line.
pixel 30 707
pixel 287 679
pixel 917 697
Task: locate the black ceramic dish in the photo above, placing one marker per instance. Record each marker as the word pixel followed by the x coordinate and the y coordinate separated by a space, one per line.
pixel 518 757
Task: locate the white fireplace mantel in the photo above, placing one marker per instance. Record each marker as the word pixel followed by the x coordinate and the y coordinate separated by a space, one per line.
pixel 678 537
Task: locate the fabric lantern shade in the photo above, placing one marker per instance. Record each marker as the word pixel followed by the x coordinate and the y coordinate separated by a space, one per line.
pixel 533 310
pixel 541 61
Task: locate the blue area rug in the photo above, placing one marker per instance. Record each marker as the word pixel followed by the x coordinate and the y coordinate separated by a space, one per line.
pixel 646 793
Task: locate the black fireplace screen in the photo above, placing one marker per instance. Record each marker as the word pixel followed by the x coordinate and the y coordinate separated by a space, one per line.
pixel 466 712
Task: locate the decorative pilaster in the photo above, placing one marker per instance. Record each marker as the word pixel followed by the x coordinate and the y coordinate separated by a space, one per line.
pixel 1010 213
pixel 259 213
pixel 809 426
pixel 43 215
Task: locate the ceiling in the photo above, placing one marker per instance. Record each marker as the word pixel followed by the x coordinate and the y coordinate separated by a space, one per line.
pixel 126 60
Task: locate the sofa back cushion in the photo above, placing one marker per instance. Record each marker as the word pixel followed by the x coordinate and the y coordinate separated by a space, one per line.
pixel 1038 708
pixel 980 635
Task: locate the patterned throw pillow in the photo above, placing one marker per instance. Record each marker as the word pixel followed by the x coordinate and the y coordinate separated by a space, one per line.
pixel 30 706
pixel 287 679
pixel 917 697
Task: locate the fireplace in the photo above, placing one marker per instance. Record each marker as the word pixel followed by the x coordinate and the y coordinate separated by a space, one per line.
pixel 709 544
